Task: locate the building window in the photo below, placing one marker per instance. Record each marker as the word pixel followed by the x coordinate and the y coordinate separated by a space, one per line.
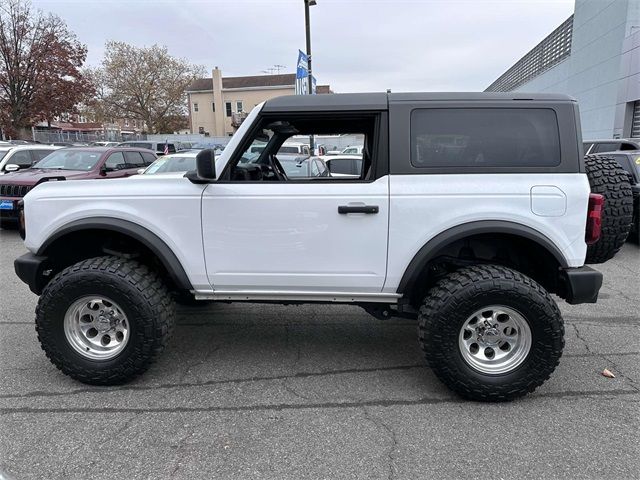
pixel 195 107
pixel 239 106
pixel 126 122
pixel 227 106
pixel 200 130
pixel 213 106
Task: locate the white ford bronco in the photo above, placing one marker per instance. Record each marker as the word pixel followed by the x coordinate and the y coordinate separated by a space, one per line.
pixel 469 211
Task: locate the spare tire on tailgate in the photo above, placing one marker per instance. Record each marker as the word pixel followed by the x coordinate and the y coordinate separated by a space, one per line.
pixel 607 178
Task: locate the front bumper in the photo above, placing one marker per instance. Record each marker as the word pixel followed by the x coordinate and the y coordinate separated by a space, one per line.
pixel 9 213
pixel 581 285
pixel 32 270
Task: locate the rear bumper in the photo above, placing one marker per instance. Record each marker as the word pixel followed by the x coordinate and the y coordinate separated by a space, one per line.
pixel 32 270
pixel 581 285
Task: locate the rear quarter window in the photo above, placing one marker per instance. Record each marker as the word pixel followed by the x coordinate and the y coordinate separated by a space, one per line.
pixel 484 137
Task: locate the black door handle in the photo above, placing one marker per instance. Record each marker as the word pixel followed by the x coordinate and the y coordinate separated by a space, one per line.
pixel 343 209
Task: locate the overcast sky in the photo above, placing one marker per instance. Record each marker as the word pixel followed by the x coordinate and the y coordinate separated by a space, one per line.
pixel 357 45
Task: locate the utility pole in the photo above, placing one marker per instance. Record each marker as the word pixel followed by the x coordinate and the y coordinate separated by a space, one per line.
pixel 307 4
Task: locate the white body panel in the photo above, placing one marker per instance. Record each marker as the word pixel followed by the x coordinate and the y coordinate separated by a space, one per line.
pixel 287 241
pixel 290 236
pixel 167 205
pixel 422 206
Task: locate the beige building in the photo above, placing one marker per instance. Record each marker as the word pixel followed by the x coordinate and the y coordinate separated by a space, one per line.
pixel 218 105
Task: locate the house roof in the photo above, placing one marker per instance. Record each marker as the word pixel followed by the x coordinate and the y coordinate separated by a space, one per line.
pixel 206 84
pixel 200 84
pixel 288 79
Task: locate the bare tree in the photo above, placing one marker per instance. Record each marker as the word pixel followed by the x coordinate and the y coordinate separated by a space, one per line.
pixel 146 84
pixel 40 61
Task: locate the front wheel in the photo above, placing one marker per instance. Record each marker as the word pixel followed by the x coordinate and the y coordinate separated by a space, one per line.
pixel 104 320
pixel 490 333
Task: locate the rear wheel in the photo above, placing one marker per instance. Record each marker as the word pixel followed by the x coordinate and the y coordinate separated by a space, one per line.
pixel 105 320
pixel 490 333
pixel 608 179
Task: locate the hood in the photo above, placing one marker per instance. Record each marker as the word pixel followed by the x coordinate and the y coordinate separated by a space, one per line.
pixel 31 176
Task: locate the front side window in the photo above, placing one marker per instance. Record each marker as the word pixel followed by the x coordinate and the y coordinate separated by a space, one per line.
pixel 115 161
pixel 276 151
pixel 484 137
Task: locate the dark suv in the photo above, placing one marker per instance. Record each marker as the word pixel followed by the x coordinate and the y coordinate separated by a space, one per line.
pixel 630 162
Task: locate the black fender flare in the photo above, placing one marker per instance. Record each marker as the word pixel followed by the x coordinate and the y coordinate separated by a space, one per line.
pixel 433 246
pixel 145 236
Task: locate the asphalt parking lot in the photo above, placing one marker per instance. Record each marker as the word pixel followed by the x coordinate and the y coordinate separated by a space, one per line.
pixel 260 391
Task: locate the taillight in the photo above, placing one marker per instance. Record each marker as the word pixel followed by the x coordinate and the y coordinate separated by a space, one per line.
pixel 594 218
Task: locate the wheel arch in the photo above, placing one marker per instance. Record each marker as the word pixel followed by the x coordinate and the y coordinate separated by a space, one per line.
pixel 143 236
pixel 430 250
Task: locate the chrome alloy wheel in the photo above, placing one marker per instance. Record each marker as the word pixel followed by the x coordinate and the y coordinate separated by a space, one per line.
pixel 96 327
pixel 495 340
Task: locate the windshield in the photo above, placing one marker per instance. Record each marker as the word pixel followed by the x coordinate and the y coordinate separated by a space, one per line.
pixel 169 164
pixel 72 159
pixel 3 153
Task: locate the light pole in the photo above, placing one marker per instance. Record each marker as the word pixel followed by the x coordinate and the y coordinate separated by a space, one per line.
pixel 307 24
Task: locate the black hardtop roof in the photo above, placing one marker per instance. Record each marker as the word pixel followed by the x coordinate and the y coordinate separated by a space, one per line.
pixel 380 101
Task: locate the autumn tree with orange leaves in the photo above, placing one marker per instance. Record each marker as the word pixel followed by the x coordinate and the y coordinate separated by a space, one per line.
pixel 40 67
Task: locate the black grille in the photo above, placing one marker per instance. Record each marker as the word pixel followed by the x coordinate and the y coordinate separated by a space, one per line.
pixel 14 190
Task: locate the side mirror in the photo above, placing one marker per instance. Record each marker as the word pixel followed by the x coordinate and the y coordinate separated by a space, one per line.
pixel 12 167
pixel 205 167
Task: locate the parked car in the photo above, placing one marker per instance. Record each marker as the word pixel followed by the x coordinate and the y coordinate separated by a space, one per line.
pixel 354 150
pixel 465 217
pixel 18 157
pixel 304 167
pixel 104 144
pixel 630 162
pixel 156 147
pixel 343 165
pixel 294 149
pixel 177 162
pixel 610 145
pixel 78 163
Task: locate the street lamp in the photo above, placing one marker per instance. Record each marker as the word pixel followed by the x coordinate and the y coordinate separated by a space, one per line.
pixel 307 4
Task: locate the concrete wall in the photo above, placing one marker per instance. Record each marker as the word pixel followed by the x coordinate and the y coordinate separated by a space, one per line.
pixel 205 116
pixel 629 88
pixel 592 73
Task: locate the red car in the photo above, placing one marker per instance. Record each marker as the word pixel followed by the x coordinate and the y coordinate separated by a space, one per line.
pixel 70 164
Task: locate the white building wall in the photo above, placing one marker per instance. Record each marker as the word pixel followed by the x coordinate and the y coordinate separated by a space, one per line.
pixel 593 72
